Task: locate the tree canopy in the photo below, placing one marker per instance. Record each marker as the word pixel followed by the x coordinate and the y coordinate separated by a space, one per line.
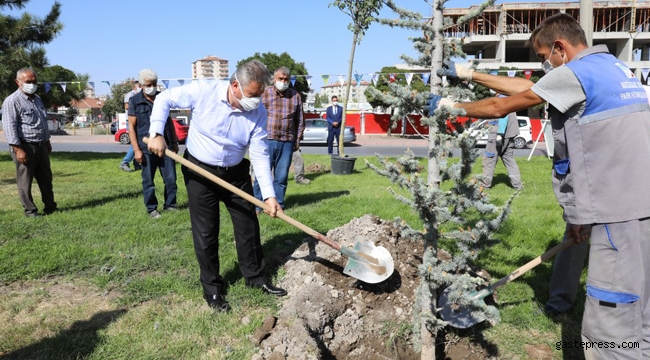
pixel 21 41
pixel 55 96
pixel 115 101
pixel 274 61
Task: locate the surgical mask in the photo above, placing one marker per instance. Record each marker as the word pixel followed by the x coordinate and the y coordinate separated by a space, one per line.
pixel 150 90
pixel 335 103
pixel 281 85
pixel 546 65
pixel 247 103
pixel 29 88
pixel 137 89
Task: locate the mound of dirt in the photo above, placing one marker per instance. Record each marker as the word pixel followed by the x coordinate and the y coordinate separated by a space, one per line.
pixel 329 315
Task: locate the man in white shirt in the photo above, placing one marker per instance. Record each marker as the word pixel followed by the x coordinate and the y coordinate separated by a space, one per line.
pixel 227 120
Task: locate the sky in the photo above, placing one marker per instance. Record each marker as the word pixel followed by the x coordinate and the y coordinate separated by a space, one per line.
pixel 113 40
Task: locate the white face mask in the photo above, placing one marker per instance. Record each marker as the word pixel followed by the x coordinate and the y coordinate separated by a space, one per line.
pixel 247 103
pixel 546 65
pixel 281 85
pixel 150 90
pixel 335 103
pixel 29 88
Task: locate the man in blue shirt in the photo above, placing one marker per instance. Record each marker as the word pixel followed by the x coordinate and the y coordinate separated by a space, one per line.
pixel 140 106
pixel 227 120
pixel 25 126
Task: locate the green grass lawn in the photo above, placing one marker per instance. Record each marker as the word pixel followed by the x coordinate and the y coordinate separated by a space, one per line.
pixel 101 280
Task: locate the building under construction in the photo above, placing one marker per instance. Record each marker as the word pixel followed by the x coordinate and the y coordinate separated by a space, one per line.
pixel 498 37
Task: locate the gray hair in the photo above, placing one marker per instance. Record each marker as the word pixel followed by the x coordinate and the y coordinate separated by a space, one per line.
pixel 23 71
pixel 252 71
pixel 283 70
pixel 146 75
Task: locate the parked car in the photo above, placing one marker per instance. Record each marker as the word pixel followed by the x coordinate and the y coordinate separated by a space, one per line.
pixel 480 130
pixel 113 127
pixel 316 132
pixel 122 136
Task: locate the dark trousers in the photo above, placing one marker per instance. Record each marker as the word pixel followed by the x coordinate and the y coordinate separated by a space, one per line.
pixel 204 197
pixel 332 134
pixel 37 167
pixel 167 171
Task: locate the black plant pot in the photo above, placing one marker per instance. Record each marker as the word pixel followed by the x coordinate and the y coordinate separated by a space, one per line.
pixel 342 165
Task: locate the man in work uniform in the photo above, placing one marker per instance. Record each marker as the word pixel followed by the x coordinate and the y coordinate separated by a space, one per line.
pixel 598 180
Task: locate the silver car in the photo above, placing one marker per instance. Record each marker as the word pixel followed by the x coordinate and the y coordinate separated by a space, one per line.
pixel 316 132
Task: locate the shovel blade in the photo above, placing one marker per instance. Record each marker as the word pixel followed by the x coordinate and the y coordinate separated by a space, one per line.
pixel 367 262
pixel 461 317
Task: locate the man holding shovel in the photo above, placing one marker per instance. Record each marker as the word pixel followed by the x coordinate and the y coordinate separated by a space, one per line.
pixel 227 120
pixel 595 101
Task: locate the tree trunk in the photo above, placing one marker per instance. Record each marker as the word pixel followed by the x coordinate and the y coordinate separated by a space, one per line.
pixel 347 94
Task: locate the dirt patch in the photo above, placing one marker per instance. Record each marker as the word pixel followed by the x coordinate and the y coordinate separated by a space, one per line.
pixel 328 315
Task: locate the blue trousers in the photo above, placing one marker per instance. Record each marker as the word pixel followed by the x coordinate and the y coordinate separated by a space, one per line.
pixel 331 135
pixel 280 154
pixel 129 157
pixel 167 171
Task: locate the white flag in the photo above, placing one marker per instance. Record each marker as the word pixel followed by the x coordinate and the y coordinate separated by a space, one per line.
pixel 374 78
pixel 644 73
pixel 512 73
pixel 409 77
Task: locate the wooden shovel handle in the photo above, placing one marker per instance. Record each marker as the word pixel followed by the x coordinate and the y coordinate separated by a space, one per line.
pixel 261 204
pixel 531 264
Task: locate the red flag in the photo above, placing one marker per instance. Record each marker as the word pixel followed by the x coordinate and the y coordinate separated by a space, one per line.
pixel 392 77
pixel 527 73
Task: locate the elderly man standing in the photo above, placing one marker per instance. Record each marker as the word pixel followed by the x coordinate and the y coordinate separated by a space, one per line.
pixel 25 125
pixel 140 106
pixel 227 120
pixel 285 127
pixel 597 178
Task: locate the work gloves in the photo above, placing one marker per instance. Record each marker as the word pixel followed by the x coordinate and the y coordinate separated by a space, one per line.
pixel 436 101
pixel 455 72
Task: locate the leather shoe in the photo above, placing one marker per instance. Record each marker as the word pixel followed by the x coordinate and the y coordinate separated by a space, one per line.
pixel 217 302
pixel 268 288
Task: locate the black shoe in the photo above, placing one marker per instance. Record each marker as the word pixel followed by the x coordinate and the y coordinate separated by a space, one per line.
pixel 552 312
pixel 217 302
pixel 49 211
pixel 268 288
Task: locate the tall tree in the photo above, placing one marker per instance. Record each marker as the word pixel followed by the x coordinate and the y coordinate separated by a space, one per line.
pixel 115 101
pixel 362 14
pixel 274 61
pixel 55 96
pixel 21 40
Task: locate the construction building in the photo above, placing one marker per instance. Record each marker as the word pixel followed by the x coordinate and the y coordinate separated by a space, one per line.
pixel 498 37
pixel 210 67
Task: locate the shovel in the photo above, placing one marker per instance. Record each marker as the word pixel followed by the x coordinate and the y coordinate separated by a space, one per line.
pixel 463 317
pixel 366 262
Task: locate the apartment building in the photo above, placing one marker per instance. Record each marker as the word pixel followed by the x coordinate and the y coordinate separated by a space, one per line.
pixel 210 67
pixel 356 92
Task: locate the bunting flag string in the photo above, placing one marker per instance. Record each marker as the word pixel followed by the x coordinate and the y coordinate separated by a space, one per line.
pixel 357 78
pixel 293 80
pixel 63 85
pixel 425 77
pixel 527 73
pixel 181 81
pixel 409 78
pixel 644 73
pixel 511 73
pixel 391 77
pixel 166 83
pixel 374 78
pixel 107 82
pixel 325 78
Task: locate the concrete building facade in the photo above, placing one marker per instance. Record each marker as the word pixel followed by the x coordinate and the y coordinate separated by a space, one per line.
pixel 498 37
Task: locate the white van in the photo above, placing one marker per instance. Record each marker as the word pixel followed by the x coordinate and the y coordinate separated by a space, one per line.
pixel 480 130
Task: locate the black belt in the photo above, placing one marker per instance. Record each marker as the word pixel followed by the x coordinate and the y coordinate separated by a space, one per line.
pixel 215 167
pixel 36 143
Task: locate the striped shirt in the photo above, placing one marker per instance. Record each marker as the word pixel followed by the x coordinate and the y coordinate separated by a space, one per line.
pixel 286 122
pixel 24 119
